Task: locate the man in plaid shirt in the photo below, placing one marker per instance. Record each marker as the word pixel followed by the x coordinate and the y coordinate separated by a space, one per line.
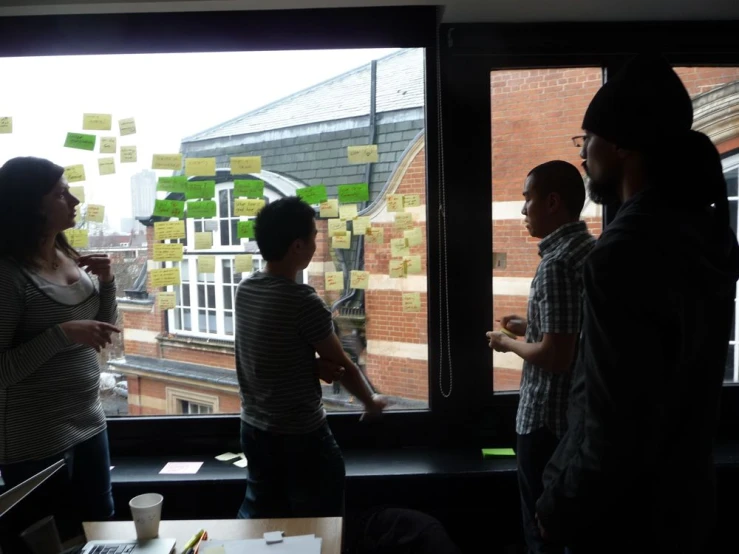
pixel 554 195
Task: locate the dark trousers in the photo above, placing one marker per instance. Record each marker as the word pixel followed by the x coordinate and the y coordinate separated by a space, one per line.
pixel 292 475
pixel 533 452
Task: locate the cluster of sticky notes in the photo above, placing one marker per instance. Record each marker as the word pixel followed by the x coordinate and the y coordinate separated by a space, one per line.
pixel 399 202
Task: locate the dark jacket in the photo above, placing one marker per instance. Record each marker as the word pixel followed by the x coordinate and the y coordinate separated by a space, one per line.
pixel 635 471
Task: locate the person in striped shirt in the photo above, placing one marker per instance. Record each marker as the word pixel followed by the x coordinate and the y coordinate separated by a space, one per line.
pixel 296 469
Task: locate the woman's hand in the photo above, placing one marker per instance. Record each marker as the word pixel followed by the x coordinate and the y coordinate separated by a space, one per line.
pixel 97 264
pixel 89 332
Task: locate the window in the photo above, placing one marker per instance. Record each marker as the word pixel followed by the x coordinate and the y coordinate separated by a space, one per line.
pixel 731 173
pixel 189 402
pixel 188 408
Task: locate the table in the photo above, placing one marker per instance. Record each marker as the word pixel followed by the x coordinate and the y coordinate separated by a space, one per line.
pixel 328 528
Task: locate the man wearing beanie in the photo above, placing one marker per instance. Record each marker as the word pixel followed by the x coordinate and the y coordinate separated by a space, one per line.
pixel 635 471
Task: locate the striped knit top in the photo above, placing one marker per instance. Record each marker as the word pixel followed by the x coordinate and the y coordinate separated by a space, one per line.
pixel 49 387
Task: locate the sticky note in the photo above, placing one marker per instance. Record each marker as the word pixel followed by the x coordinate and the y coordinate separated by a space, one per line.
pixel 360 225
pixel 364 154
pixel 96 122
pixel 349 194
pixel 127 126
pixel 164 230
pixel 399 248
pixel 80 141
pixel 201 210
pixel 128 154
pixel 203 241
pixel 395 203
pixel 167 161
pixel 413 236
pixel 348 211
pixel 313 195
pixel 238 463
pixel 330 208
pixel 359 279
pixel 74 173
pixel 342 241
pixel 172 184
pixel 95 213
pixel 6 125
pixel 249 188
pixel 411 302
pixel 334 280
pixel 403 220
pixel 273 537
pixel 245 229
pixel 226 456
pixel 220 549
pixel 166 300
pixel 246 164
pixel 209 190
pixel 167 252
pixel 412 264
pixel 200 189
pixel 497 452
pixel 247 206
pixel 78 193
pixel 108 145
pixel 169 208
pixel 334 226
pixel 77 238
pixel 106 166
pixel 396 268
pixel 206 264
pixel 243 263
pixel 411 200
pixel 374 235
pixel 165 277
pixel 181 468
pixel 200 167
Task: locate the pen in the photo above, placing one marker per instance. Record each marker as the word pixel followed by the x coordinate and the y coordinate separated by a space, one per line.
pixel 189 545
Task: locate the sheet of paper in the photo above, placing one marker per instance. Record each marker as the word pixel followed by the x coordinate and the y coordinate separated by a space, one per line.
pixel 95 213
pixel 245 229
pixel 167 252
pixel 6 125
pixel 206 264
pixel 80 141
pixel 359 279
pixel 164 277
pixel 77 238
pixel 127 126
pixel 374 235
pixel 360 225
pixel 106 166
pixel 178 183
pixel 248 188
pixel 396 269
pixel 366 154
pixel 166 300
pixel 399 248
pixel 330 208
pixel 411 302
pixel 334 280
pixel 413 236
pixel 96 122
pixel 181 468
pixel 74 173
pixel 203 209
pixel 313 195
pixel 241 462
pixel 348 211
pixel 247 206
pixel 412 264
pixel 411 200
pixel 78 193
pixel 403 220
pixel 164 230
pixel 246 164
pixel 394 203
pixel 128 154
pixel 108 145
pixel 243 263
pixel 167 161
pixel 307 544
pixel 203 241
pixel 351 194
pixel 335 226
pixel 200 167
pixel 342 241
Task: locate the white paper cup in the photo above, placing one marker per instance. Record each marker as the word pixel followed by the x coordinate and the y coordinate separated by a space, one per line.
pixel 42 537
pixel 146 510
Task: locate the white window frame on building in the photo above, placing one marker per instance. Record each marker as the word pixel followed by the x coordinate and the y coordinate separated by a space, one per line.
pixel 731 164
pixel 186 402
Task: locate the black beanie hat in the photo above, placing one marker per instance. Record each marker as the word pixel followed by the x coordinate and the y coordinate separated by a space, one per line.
pixel 642 104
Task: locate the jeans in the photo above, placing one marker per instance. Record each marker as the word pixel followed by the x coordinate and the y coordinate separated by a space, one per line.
pixel 292 475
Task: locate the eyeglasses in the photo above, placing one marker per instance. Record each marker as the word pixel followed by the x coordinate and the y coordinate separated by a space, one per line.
pixel 579 140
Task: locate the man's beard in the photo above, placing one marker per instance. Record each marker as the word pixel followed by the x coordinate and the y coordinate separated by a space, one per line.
pixel 602 192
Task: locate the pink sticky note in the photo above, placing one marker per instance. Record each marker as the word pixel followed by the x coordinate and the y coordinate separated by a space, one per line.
pixel 181 467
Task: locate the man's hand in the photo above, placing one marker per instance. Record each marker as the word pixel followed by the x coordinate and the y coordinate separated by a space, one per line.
pixel 515 324
pixel 498 341
pixel 374 408
pixel 329 371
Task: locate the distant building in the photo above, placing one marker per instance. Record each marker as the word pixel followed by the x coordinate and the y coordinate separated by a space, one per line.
pixel 143 193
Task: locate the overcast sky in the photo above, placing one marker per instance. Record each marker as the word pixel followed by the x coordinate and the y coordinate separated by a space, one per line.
pixel 170 96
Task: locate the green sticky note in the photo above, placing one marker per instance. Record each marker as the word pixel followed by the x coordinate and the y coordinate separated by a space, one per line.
pixel 201 210
pixel 193 190
pixel 497 452
pixel 209 190
pixel 313 195
pixel 168 208
pixel 249 188
pixel 351 194
pixel 246 229
pixel 172 184
pixel 80 141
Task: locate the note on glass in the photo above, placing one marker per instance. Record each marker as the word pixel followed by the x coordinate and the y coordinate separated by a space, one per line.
pixel 395 203
pixel 413 236
pixel 246 164
pixel 396 268
pixel 342 241
pixel 245 229
pixel 108 145
pixel 96 121
pixel 313 195
pixel 95 213
pixel 127 126
pixel 411 200
pixel 399 248
pixel 411 302
pixel 80 141
pixel 226 456
pixel 330 208
pixel 164 230
pixel 77 238
pixel 374 235
pixel 168 208
pixel 360 225
pixel 167 161
pixel 172 184
pixel 335 226
pixel 334 280
pixel 181 468
pixel 203 241
pixel 78 193
pixel 164 277
pixel 200 167
pixel 243 263
pixel 348 211
pixel 200 189
pixel 128 154
pixel 6 125
pixel 206 264
pixel 365 154
pixel 201 210
pixel 106 166
pixel 247 206
pixel 359 279
pixel 403 220
pixel 166 300
pixel 249 188
pixel 167 252
pixel 74 173
pixel 349 194
pixel 412 264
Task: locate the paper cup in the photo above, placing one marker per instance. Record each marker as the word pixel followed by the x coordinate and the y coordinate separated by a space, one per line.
pixel 146 510
pixel 42 537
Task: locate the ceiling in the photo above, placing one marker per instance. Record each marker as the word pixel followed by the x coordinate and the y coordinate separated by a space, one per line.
pixel 456 11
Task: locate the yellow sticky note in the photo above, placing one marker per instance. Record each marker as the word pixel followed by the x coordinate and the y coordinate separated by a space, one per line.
pixel 200 167
pixel 396 269
pixel 334 280
pixel 411 200
pixel 412 264
pixel 167 161
pixel 374 235
pixel 395 203
pixel 74 173
pixel 413 236
pixel 364 154
pixel 108 145
pixel 360 225
pixel 128 154
pixel 78 193
pixel 342 241
pixel 127 126
pixel 206 264
pixel 247 206
pixel 96 121
pixel 77 238
pixel 330 208
pixel 167 252
pixel 347 211
pixel 411 302
pixel 165 277
pixel 164 230
pixel 403 220
pixel 166 300
pixel 95 213
pixel 334 226
pixel 243 263
pixel 399 248
pixel 6 125
pixel 359 279
pixel 246 164
pixel 203 241
pixel 106 166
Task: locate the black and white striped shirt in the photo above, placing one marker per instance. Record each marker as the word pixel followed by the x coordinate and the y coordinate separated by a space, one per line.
pixel 49 387
pixel 277 322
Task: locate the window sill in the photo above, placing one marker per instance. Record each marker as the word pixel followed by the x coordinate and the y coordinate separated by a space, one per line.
pixel 197 343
